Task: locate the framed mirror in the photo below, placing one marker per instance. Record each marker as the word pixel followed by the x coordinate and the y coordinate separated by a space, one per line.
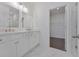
pixel 12 18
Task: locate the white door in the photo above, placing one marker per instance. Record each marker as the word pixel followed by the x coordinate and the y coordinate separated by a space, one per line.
pixel 8 49
pixel 78 29
pixel 74 30
pixel 72 24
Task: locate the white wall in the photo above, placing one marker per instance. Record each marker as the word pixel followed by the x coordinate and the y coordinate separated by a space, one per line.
pixel 57 24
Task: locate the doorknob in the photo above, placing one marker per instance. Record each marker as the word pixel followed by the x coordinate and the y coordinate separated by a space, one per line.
pixel 75 36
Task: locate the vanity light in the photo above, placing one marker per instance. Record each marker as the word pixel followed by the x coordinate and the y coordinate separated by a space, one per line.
pixel 57 8
pixel 23 8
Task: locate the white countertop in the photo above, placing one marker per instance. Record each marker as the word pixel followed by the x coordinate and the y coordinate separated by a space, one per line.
pixel 18 32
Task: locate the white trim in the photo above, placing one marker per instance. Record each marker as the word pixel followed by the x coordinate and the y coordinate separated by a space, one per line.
pixel 67 20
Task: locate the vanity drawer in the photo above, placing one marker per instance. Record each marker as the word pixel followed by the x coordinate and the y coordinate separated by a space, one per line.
pixel 12 37
pixel 4 39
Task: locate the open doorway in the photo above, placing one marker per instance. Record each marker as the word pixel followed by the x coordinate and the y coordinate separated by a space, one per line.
pixel 57 28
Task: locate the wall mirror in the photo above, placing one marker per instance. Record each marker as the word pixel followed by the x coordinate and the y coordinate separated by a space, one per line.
pixel 11 17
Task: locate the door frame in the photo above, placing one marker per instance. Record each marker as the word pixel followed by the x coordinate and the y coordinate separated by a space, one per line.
pixel 69 34
pixel 67 27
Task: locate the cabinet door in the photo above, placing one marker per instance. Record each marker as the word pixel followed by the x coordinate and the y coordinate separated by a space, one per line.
pixel 34 38
pixel 8 49
pixel 22 46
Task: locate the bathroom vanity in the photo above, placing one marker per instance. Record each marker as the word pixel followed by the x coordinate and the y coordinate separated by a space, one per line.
pixel 17 36
pixel 18 44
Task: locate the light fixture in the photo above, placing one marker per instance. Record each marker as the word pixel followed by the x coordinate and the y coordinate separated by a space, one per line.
pixel 57 8
pixel 18 6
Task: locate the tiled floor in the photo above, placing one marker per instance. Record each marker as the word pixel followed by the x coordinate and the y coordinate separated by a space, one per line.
pixel 51 52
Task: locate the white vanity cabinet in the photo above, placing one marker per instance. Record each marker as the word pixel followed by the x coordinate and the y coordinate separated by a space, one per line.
pixel 8 49
pixel 18 44
pixel 23 45
pixel 27 41
pixel 34 38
